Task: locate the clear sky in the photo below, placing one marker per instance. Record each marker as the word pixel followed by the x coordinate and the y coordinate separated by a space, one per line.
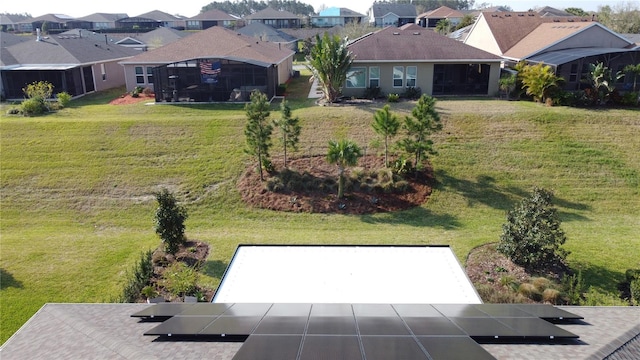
pixel 192 7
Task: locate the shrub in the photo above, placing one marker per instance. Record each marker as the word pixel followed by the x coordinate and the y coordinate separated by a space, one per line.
pixel 595 298
pixel 573 288
pixel 142 272
pixel 530 291
pixel 630 99
pixel 532 237
pixel 63 99
pixel 180 279
pixel 634 289
pixel 147 91
pixel 393 98
pixel 33 107
pixel 169 221
pixel 551 296
pixel 281 89
pixel 541 283
pixel 412 93
pixel 372 93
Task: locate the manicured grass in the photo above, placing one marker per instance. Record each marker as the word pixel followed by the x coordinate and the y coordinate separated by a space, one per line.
pixel 77 188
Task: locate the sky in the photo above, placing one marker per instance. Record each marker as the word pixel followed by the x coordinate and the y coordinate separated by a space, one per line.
pixel 192 7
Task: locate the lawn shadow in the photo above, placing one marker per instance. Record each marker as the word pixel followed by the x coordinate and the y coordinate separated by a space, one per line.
pixel 214 268
pixel 482 191
pixel 600 277
pixel 7 280
pixel 419 217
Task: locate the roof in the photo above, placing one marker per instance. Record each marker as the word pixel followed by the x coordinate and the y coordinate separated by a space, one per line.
pixel 550 11
pixel 310 33
pixel 68 51
pixel 163 34
pixel 55 18
pixel 103 17
pixel 402 10
pixel 335 12
pixel 10 19
pixel 270 13
pixel 159 16
pixel 508 28
pixel 442 12
pixel 417 46
pixel 545 35
pixel 8 39
pixel 266 33
pixel 214 42
pixel 214 14
pixel 107 331
pixel 298 274
pixel 564 56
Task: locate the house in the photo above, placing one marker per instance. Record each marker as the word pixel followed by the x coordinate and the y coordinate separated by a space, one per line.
pixel 103 21
pixel 430 19
pixel 164 19
pixel 546 11
pixel 9 22
pixel 395 59
pixel 211 18
pixel 336 16
pixel 267 33
pixel 569 44
pixel 53 23
pixel 383 14
pixel 210 65
pixel 275 18
pixel 75 64
pixel 152 39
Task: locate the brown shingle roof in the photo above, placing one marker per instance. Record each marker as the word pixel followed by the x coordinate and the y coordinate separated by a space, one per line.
pixel 270 13
pixel 214 14
pixel 441 12
pixel 545 35
pixel 395 44
pixel 215 42
pixel 509 28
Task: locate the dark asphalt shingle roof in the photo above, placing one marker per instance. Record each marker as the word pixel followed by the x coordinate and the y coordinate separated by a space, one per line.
pixel 402 10
pixel 270 13
pixel 395 44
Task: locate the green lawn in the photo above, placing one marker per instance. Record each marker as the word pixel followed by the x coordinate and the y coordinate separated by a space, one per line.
pixel 77 188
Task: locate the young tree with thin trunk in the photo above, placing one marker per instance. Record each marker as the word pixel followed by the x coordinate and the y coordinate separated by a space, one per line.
pixel 386 125
pixel 423 122
pixel 289 129
pixel 169 221
pixel 258 130
pixel 343 153
pixel 330 60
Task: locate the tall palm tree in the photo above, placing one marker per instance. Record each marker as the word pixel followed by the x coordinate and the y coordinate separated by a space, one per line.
pixel 330 61
pixel 343 153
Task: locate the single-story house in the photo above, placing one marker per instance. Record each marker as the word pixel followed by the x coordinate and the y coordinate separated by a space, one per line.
pixel 420 58
pixel 213 17
pixel 430 19
pixel 75 64
pixel 336 16
pixel 10 22
pixel 569 44
pixel 277 19
pixel 152 39
pixel 216 64
pixel 389 14
pixel 268 33
pixel 103 21
pixel 165 19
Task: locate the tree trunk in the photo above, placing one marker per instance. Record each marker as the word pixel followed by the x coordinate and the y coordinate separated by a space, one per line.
pixel 340 182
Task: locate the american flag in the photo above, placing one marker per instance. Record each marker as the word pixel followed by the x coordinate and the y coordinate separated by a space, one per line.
pixel 206 68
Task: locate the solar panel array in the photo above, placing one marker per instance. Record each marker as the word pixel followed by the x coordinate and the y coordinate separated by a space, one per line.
pixel 359 331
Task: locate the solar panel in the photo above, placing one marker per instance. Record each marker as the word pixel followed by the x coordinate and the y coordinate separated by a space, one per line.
pixel 432 326
pixel 453 348
pixel 181 326
pixel 360 331
pixel 268 347
pixel 292 325
pixel 330 347
pixel 392 347
pixel 332 325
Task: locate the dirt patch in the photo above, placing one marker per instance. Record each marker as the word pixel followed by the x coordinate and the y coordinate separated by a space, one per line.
pixel 126 99
pixel 356 200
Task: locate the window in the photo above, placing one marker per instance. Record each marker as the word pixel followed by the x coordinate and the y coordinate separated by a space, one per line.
pixel 103 71
pixel 139 75
pixel 149 75
pixel 412 75
pixel 374 77
pixel 398 76
pixel 356 78
pixel 573 75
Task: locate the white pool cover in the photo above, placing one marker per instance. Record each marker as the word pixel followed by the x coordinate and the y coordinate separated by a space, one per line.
pixel 345 274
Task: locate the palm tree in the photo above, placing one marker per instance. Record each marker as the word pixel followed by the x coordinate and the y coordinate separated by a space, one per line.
pixel 443 26
pixel 330 61
pixel 343 153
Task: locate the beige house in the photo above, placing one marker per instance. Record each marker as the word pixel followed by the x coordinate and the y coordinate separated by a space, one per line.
pixel 422 59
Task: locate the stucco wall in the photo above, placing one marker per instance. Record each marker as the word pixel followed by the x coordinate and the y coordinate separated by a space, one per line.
pixel 113 75
pixel 481 37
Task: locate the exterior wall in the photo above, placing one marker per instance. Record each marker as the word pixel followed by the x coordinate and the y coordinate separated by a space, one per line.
pixel 130 76
pixel 595 36
pixel 113 75
pixel 387 20
pixel 424 80
pixel 285 69
pixel 482 38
